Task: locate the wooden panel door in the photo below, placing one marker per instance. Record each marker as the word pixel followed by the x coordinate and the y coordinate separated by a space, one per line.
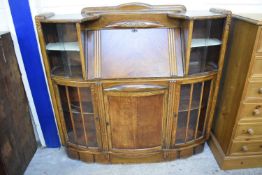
pixel 17 140
pixel 136 115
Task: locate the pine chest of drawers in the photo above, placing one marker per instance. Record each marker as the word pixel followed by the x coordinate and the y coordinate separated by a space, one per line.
pixel 237 131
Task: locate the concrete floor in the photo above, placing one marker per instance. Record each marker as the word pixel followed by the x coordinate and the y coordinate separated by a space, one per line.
pixel 49 161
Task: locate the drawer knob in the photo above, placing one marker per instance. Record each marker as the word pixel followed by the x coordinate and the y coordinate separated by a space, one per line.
pixel 260 90
pixel 250 131
pixel 244 148
pixel 256 112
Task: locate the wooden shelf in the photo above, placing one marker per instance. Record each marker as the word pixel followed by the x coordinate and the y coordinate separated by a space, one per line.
pixel 63 46
pixel 201 42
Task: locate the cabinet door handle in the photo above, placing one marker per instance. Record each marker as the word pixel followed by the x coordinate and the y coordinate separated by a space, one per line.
pixel 244 148
pixel 250 131
pixel 256 112
pixel 260 90
pixel 134 24
pixel 136 87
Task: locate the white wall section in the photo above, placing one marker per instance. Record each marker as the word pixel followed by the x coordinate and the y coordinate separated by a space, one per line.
pixel 9 26
pixel 69 6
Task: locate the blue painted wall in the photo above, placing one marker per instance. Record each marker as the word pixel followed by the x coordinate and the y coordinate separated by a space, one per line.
pixel 27 41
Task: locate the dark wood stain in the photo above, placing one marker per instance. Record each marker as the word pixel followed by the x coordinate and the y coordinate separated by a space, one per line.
pixel 17 141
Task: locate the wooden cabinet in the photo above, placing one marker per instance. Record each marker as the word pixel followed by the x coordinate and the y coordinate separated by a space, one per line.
pixel 237 132
pixel 134 83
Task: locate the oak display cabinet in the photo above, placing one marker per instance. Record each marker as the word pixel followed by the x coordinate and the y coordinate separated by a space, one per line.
pixel 134 83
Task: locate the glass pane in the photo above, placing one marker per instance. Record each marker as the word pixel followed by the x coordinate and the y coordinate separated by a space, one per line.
pixel 74 100
pixel 205 46
pixel 90 129
pixel 79 127
pixel 196 95
pixel 62 49
pixel 184 97
pixel 181 127
pixel 66 113
pixel 195 104
pixel 182 113
pixel 192 124
pixel 203 111
pixel 86 99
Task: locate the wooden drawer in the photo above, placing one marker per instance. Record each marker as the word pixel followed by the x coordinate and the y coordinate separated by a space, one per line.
pixel 251 111
pixel 249 130
pixel 254 91
pixel 257 67
pixel 246 147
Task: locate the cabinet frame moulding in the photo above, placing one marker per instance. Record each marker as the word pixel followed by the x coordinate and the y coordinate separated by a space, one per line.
pixel 49 80
pixel 97 52
pixel 188 32
pixel 219 71
pixel 81 50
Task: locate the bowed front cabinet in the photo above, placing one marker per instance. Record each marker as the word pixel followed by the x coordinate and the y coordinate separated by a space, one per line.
pixel 134 83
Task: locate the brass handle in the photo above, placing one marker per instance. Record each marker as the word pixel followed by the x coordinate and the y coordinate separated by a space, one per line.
pixel 244 148
pixel 256 112
pixel 250 131
pixel 136 87
pixel 260 90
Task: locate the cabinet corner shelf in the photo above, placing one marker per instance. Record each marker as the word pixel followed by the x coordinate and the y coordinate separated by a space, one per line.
pixel 203 42
pixel 63 46
pixel 132 95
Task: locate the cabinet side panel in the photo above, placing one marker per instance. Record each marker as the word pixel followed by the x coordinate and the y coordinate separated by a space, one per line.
pixel 240 47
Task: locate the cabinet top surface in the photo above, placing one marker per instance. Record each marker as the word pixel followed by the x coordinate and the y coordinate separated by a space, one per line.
pixel 255 18
pixel 172 11
pixel 187 15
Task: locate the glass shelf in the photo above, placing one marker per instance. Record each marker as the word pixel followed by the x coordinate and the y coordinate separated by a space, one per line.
pixel 72 71
pixel 203 42
pixel 63 46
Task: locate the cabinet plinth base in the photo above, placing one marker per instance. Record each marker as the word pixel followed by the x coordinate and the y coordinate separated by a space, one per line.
pixel 233 162
pixel 112 157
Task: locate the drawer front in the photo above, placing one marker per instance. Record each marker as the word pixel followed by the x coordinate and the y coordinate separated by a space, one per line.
pixel 254 91
pixel 257 67
pixel 249 130
pixel 246 148
pixel 251 111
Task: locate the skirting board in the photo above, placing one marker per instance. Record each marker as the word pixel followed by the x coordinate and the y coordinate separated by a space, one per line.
pixel 233 162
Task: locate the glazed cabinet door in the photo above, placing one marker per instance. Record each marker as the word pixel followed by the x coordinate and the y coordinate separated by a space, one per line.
pixel 192 114
pixel 78 114
pixel 135 115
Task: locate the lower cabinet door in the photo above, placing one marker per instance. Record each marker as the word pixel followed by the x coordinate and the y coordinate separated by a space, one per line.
pixel 135 115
